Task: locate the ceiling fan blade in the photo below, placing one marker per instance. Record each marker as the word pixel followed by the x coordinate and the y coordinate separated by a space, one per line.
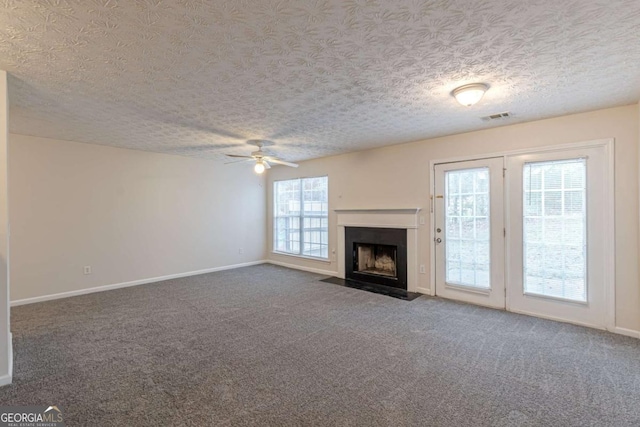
pixel 239 161
pixel 242 157
pixel 282 162
pixel 266 164
pixel 204 147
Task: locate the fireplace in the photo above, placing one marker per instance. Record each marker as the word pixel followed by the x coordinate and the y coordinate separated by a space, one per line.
pixel 376 255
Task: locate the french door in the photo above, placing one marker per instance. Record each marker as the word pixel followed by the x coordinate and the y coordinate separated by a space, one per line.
pixel 469 231
pixel 531 240
pixel 556 235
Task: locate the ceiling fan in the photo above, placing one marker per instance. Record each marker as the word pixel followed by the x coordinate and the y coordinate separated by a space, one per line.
pixel 262 159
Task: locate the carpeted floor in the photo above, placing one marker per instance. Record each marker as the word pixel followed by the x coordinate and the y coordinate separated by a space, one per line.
pixel 265 345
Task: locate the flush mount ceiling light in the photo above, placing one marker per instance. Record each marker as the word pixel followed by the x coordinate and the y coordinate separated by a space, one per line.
pixel 468 95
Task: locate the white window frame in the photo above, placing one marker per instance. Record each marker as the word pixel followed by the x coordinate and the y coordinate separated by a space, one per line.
pixel 301 219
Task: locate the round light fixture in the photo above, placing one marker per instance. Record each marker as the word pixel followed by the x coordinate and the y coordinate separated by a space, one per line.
pixel 259 167
pixel 468 95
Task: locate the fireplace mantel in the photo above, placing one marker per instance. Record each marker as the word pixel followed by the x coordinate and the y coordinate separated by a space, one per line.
pixel 382 210
pixel 403 218
pixel 375 217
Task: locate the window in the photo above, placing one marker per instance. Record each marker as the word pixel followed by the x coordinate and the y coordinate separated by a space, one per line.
pixel 301 221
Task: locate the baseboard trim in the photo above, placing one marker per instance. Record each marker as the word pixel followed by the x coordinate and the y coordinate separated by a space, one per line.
pixel 558 319
pixel 616 330
pixel 308 269
pixel 129 284
pixel 424 291
pixel 5 380
pixel 626 332
pixel 8 378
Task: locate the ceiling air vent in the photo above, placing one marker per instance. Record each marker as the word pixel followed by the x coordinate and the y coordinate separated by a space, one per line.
pixel 499 116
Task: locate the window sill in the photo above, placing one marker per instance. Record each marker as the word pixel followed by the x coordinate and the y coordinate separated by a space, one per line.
pixel 311 258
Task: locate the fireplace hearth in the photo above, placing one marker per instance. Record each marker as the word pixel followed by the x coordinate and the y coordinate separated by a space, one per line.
pixel 376 255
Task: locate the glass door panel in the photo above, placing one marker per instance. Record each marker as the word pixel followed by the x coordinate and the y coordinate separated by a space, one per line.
pixel 467 228
pixel 555 234
pixel 469 237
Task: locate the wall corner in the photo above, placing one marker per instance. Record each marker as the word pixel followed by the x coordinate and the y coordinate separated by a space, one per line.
pixel 6 347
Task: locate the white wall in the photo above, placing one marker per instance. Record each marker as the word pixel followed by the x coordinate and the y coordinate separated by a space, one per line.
pixel 5 335
pixel 398 176
pixel 130 215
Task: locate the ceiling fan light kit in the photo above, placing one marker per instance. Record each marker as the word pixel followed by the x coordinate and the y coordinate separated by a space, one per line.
pixel 259 167
pixel 262 159
pixel 470 94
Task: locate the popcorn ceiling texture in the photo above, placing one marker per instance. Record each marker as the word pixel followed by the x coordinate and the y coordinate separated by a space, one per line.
pixel 199 78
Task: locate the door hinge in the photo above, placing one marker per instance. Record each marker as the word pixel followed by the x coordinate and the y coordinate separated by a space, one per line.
pixel 504 172
pixel 504 232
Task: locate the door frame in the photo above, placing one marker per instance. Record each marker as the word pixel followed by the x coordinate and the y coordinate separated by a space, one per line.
pixel 609 219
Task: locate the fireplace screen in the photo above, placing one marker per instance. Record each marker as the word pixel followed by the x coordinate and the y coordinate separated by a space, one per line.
pixel 376 259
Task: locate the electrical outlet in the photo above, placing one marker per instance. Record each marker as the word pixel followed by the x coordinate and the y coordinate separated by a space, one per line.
pixel 423 220
pixel 240 251
pixel 87 269
pixel 423 269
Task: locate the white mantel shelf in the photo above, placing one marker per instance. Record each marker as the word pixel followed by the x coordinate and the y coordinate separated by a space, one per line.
pixel 381 210
pixel 376 217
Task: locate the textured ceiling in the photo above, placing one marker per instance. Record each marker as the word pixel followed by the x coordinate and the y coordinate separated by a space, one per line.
pixel 318 77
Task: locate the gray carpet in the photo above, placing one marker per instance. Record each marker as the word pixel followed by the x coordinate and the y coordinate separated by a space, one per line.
pixel 266 345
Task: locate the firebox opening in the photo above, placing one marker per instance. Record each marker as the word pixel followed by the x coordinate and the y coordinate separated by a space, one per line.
pixel 376 259
pixel 376 256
